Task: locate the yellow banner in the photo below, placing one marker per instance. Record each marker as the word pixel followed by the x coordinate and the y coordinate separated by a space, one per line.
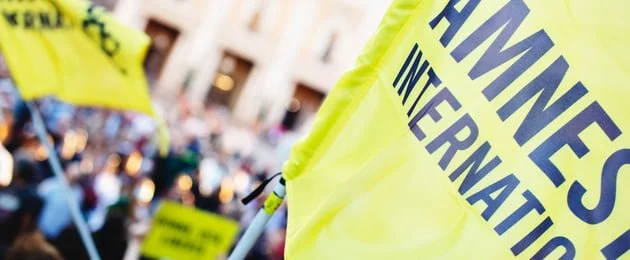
pixel 75 51
pixel 473 130
pixel 180 232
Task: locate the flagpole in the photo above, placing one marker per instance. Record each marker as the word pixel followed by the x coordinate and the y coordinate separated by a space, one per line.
pixel 40 130
pixel 257 226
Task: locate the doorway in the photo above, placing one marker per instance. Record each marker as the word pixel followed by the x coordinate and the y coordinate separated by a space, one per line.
pixel 305 103
pixel 163 39
pixel 229 80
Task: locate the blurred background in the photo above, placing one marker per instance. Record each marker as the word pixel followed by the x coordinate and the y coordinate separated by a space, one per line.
pixel 238 83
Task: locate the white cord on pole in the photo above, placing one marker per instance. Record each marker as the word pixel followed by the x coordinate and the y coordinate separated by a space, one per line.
pixel 79 222
pixel 257 226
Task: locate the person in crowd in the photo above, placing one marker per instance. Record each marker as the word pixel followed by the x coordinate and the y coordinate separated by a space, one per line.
pixel 69 244
pixel 32 246
pixel 90 197
pixel 208 199
pixel 20 205
pixel 112 125
pixel 107 186
pixel 112 239
pixel 41 203
pixel 21 116
pixel 56 214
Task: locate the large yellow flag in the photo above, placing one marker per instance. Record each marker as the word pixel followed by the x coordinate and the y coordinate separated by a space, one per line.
pixel 77 52
pixel 473 130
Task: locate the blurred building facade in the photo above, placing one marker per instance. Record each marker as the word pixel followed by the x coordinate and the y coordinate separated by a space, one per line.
pixel 253 56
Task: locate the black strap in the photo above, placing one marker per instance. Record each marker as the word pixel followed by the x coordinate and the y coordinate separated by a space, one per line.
pixel 259 190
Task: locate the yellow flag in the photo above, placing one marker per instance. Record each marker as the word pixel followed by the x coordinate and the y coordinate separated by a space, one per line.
pixel 473 130
pixel 76 52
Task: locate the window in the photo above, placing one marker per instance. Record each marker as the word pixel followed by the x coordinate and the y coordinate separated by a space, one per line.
pixel 231 76
pixel 163 39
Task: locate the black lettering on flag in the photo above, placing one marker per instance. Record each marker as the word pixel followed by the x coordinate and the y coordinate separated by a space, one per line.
pixel 504 186
pixel 608 191
pixel 11 18
pixel 568 135
pixel 413 75
pixel 29 19
pixel 109 45
pixel 473 163
pixel 455 144
pixel 530 238
pixel 44 20
pixel 531 203
pixel 618 247
pixel 530 49
pixel 541 113
pixel 59 23
pixel 430 109
pixel 455 19
pixel 432 80
pixel 552 245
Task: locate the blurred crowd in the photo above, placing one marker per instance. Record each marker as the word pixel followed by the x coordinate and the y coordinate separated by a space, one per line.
pixel 118 177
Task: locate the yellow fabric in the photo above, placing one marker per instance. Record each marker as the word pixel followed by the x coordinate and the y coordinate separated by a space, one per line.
pixel 75 51
pixel 180 232
pixel 370 182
